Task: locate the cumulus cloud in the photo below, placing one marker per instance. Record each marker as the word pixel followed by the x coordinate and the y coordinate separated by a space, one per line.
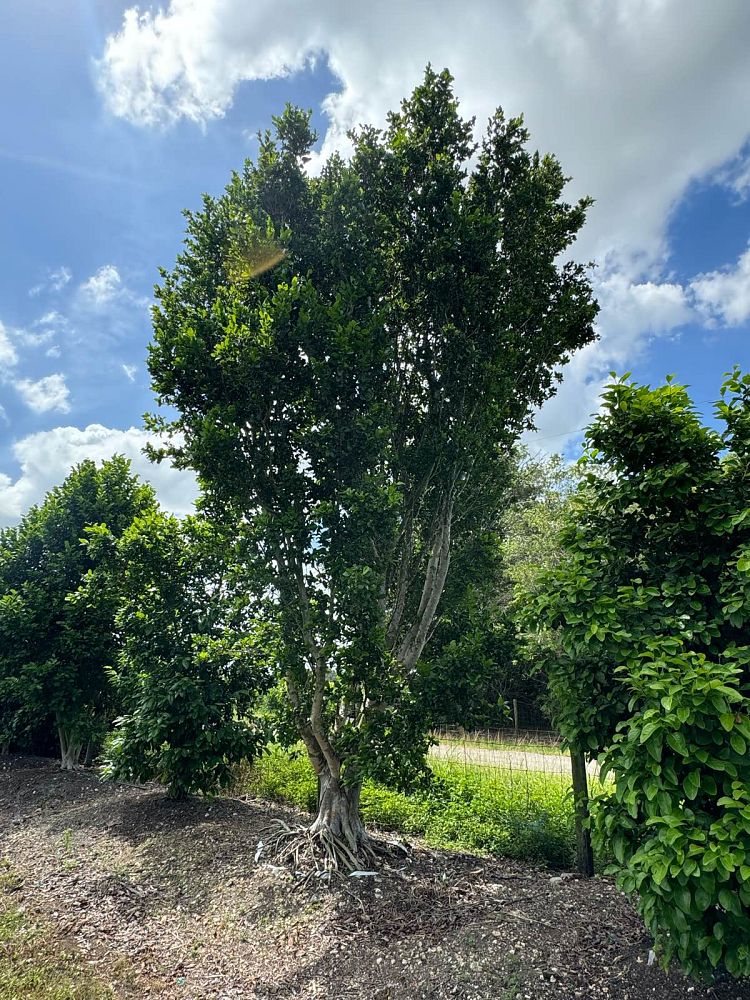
pixel 632 314
pixel 724 295
pixel 45 395
pixel 631 126
pixel 47 457
pixel 638 100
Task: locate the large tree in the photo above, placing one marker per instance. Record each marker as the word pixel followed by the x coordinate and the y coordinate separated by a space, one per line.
pixel 352 408
pixel 57 632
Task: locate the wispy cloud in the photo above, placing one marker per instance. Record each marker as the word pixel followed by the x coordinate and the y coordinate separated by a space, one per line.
pixel 69 167
pixel 55 281
pixel 130 371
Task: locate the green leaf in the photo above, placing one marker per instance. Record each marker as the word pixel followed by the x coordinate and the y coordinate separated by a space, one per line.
pixel 727 720
pixel 678 743
pixel 692 784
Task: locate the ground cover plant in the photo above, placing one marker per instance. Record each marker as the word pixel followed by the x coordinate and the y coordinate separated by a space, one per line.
pixel 527 816
pixel 34 963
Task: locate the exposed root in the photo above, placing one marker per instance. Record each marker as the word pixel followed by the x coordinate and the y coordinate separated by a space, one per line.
pixel 318 854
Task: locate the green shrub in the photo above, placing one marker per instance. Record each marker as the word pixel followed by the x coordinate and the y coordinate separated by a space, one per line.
pixel 678 820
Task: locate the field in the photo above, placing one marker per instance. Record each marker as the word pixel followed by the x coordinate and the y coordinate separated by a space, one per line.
pixel 111 891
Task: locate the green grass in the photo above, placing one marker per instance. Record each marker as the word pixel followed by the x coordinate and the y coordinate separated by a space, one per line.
pixel 33 965
pixel 527 816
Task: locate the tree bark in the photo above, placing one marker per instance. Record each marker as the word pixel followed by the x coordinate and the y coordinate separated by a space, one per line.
pixel 338 812
pixel 69 752
pixel 584 851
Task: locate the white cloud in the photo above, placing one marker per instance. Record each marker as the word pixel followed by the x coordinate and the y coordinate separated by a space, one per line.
pixel 56 280
pixel 637 99
pixel 102 287
pixel 736 176
pixel 130 371
pixel 632 314
pixel 45 395
pixel 8 353
pixel 725 295
pixel 42 330
pixel 47 457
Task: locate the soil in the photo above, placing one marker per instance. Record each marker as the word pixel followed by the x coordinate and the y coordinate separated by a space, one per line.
pixel 165 900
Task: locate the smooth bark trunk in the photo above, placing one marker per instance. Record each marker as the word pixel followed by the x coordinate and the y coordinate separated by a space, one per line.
pixel 584 850
pixel 69 752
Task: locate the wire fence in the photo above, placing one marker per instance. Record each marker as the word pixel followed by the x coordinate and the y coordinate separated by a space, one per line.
pixel 502 753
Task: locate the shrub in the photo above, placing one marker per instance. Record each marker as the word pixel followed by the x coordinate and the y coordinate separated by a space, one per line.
pixel 678 820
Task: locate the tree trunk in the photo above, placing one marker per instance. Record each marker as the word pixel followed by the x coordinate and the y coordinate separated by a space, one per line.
pixel 338 813
pixel 584 852
pixel 69 752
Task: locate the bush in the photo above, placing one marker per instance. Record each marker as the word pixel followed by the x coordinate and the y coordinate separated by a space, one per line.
pixel 678 821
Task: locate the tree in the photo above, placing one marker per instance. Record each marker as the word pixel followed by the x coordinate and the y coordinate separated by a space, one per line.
pixel 352 410
pixel 186 680
pixel 56 635
pixel 651 602
pixel 478 662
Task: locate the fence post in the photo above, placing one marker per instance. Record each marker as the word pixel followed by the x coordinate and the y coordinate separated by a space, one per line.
pixel 584 851
pixel 515 715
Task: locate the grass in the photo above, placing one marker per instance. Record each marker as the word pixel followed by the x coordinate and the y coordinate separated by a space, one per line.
pixel 33 963
pixel 522 815
pixel 520 746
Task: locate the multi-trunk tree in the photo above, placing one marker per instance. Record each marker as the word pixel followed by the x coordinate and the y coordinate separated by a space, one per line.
pixel 351 409
pixel 56 629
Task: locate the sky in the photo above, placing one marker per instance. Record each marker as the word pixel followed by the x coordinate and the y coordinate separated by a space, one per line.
pixel 113 119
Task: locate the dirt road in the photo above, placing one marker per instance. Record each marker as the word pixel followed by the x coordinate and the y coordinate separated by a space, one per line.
pixel 510 760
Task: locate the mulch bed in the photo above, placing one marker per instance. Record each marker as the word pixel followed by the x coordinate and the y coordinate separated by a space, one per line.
pixel 165 900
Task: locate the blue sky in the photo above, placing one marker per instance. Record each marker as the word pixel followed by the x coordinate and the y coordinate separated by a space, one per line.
pixel 113 122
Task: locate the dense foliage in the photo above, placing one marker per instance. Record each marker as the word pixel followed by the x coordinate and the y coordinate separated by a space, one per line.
pixel 651 604
pixel 479 661
pixel 56 630
pixel 192 659
pixel 352 409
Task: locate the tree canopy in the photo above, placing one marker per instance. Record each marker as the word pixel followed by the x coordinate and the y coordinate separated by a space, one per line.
pixel 352 409
pixel 56 634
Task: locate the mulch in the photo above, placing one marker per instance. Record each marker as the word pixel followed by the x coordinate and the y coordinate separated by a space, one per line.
pixel 165 900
